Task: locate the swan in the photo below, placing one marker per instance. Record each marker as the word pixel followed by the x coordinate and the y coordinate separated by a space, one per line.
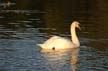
pixel 57 42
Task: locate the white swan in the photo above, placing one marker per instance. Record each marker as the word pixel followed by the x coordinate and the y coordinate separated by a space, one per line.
pixel 57 42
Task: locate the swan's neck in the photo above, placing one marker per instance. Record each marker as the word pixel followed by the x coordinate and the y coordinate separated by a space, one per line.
pixel 74 37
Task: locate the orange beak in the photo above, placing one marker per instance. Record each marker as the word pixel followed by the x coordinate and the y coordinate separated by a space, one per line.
pixel 78 26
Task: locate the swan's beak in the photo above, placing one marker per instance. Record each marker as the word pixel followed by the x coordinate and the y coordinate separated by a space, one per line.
pixel 78 26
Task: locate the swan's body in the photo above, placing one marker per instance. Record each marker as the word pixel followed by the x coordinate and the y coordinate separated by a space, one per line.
pixel 57 42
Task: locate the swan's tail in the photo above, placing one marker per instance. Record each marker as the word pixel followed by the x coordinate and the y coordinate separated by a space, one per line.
pixel 40 45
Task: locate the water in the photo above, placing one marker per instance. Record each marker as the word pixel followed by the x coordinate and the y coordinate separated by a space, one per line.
pixel 24 23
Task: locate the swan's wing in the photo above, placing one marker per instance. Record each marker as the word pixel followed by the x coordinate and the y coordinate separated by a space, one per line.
pixel 52 39
pixel 57 43
pixel 49 41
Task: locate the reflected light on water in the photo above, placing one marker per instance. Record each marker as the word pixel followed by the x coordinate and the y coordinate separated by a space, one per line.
pixel 57 59
pixel 74 59
pixel 7 4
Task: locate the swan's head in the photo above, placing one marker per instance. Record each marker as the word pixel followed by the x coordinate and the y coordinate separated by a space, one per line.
pixel 75 24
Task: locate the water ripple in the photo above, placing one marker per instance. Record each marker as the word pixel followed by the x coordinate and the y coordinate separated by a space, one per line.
pixel 22 11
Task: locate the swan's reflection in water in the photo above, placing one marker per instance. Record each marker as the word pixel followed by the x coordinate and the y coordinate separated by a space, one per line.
pixel 74 59
pixel 61 60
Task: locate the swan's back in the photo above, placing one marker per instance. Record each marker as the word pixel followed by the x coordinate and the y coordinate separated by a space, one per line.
pixel 57 42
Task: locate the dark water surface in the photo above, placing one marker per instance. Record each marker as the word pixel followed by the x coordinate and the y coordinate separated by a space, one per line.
pixel 24 23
